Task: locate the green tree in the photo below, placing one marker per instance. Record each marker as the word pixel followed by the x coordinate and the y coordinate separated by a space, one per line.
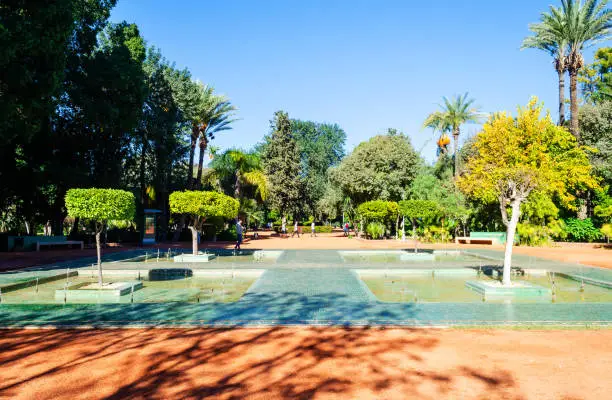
pixel 518 156
pixel 281 161
pixel 100 206
pixel 549 36
pixel 214 114
pixel 596 78
pixel 236 169
pixel 321 146
pixel 586 23
pixel 454 113
pixel 416 210
pixel 378 211
pixel 381 168
pixel 596 131
pixel 200 206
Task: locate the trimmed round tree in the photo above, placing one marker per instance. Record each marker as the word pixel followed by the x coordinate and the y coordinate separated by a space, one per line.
pixel 100 206
pixel 200 205
pixel 415 210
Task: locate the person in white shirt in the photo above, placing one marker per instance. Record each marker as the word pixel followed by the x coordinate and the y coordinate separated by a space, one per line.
pixel 296 229
pixel 313 231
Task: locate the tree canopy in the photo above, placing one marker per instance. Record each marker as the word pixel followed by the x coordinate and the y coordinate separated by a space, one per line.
pixel 281 160
pixel 518 156
pixel 100 205
pixel 381 168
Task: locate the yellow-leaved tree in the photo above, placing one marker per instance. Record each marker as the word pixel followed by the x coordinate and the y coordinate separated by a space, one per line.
pixel 516 157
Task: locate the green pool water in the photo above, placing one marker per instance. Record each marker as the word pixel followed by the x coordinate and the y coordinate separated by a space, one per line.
pixel 398 287
pixel 191 289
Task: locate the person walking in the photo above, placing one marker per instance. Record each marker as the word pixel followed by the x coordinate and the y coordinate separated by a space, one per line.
pixel 313 231
pixel 239 231
pixel 295 229
pixel 346 229
pixel 284 228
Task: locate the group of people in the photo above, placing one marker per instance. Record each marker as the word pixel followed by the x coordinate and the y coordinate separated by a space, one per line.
pixel 297 230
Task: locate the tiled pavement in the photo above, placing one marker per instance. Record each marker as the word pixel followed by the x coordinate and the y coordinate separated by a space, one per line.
pixel 298 291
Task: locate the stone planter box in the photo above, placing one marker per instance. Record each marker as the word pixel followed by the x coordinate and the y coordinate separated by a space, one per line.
pixel 190 258
pixel 93 292
pixel 517 290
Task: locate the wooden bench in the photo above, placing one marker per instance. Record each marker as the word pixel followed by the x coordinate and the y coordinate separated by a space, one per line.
pixel 64 242
pixel 471 240
pixel 492 238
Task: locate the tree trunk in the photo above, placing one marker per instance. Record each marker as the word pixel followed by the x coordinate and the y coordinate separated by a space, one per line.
pixel 194 140
pixel 237 187
pixel 74 230
pixel 414 238
pixel 574 103
pixel 561 97
pixel 203 146
pixel 143 154
pixel 403 229
pixel 397 228
pixel 455 150
pixel 516 209
pixel 194 240
pixel 99 252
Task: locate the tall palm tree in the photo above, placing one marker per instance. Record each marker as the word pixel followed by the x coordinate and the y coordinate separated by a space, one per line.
pixel 213 116
pixel 549 36
pixel 585 23
pixel 453 114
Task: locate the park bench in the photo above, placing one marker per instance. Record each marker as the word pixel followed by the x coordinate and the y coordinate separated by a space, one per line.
pixel 59 243
pixel 483 238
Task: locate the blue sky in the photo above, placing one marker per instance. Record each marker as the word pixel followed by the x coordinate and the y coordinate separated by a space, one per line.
pixel 366 65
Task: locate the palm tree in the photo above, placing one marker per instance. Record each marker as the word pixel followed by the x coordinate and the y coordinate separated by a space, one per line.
pixel 584 25
pixel 454 113
pixel 437 122
pixel 549 36
pixel 213 116
pixel 235 169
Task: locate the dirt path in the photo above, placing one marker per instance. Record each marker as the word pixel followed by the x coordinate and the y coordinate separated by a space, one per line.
pixel 306 363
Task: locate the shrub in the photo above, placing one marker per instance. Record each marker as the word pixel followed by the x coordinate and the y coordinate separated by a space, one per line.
pixel 581 230
pixel 435 234
pixel 306 228
pixel 375 230
pixel 606 230
pixel 378 210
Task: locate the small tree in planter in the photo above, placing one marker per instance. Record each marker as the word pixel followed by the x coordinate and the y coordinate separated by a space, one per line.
pixel 517 157
pixel 201 205
pixel 100 206
pixel 415 210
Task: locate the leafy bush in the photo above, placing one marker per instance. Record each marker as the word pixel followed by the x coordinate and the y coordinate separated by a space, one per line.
pixel 435 234
pixel 378 210
pixel 228 235
pixel 533 235
pixel 581 230
pixel 375 230
pixel 306 228
pixel 606 230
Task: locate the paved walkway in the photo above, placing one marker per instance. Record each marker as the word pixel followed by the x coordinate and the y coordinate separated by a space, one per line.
pixel 337 283
pixel 305 288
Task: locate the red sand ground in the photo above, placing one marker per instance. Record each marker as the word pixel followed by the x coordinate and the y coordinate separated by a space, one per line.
pixel 305 363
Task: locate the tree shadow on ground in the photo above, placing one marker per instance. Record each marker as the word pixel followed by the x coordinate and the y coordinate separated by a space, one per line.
pixel 224 363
